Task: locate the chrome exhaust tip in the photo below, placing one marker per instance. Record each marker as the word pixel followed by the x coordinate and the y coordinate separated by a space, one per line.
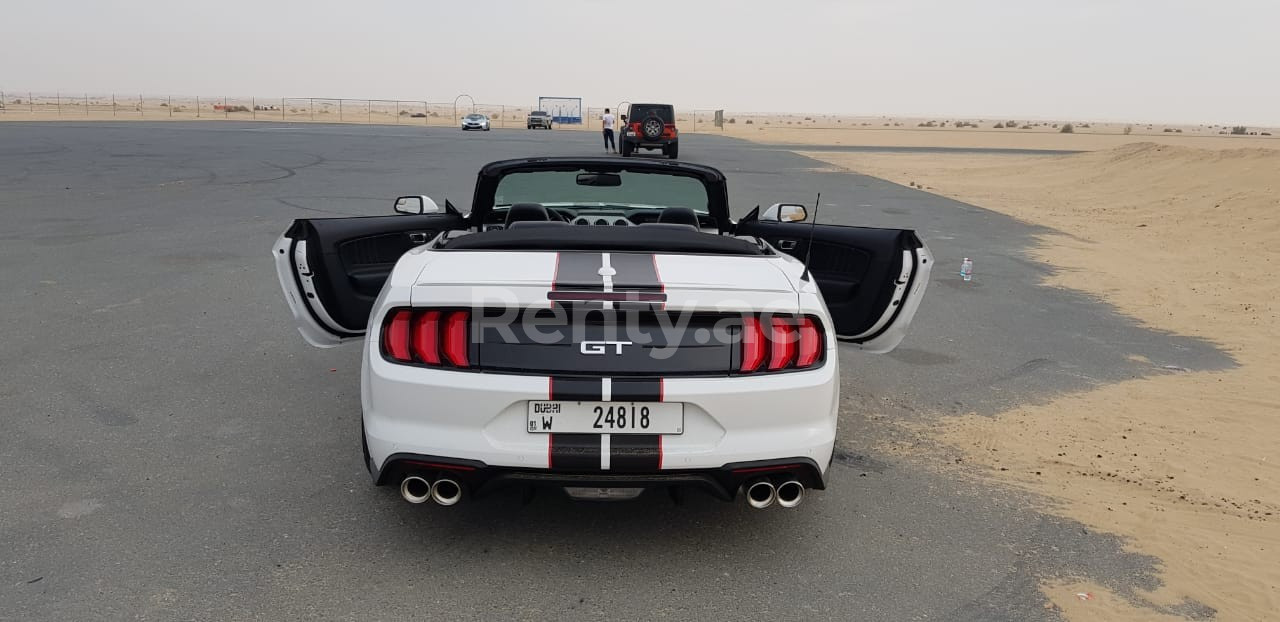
pixel 446 492
pixel 790 493
pixel 761 494
pixel 415 490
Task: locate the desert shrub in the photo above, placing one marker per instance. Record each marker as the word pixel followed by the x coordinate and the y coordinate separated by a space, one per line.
pixel 1011 124
pixel 1084 125
pixel 1178 130
pixel 1067 129
pixel 435 114
pixel 733 120
pixel 1168 130
pixel 1240 130
pixel 808 118
pixel 1055 126
pixel 749 122
pixel 404 113
pixel 998 126
pixel 1128 129
pixel 1025 127
pixel 236 108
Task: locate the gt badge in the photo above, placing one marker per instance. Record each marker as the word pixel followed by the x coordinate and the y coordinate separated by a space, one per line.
pixel 601 347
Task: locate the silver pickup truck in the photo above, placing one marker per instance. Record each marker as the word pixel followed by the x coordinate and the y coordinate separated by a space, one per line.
pixel 539 119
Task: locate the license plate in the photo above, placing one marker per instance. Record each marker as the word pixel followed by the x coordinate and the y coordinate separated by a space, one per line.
pixel 606 417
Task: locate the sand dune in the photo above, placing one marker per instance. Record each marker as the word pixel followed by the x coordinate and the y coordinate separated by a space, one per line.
pixel 1184 463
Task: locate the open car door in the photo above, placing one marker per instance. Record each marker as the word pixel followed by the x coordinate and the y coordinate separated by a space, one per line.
pixel 332 269
pixel 871 279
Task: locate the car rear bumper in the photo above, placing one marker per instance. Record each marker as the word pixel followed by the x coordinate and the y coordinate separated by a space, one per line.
pixel 482 419
pixel 479 479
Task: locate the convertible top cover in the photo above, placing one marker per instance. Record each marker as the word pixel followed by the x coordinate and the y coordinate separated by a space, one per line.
pixel 644 238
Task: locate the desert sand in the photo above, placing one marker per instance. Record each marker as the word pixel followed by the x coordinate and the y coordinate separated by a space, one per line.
pixel 1185 464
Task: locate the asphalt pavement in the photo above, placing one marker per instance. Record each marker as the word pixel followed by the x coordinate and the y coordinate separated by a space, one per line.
pixel 172 449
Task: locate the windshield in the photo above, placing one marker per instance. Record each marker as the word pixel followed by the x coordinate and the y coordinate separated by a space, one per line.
pixel 581 189
pixel 475 117
pixel 538 113
pixel 662 111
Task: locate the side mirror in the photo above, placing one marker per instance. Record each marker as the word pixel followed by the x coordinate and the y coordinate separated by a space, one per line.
pixel 785 212
pixel 420 204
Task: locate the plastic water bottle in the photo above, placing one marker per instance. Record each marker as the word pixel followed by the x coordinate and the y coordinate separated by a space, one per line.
pixel 966 269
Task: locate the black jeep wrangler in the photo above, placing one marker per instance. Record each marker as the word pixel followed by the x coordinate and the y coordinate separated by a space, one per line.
pixel 651 126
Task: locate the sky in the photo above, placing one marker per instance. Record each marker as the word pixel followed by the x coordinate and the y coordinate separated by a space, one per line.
pixel 1171 61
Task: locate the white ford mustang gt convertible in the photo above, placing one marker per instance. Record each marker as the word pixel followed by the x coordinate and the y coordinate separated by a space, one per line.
pixel 599 326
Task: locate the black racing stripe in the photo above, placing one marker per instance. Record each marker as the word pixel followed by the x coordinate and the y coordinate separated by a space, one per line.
pixel 578 389
pixel 575 452
pixel 637 389
pixel 578 271
pixel 636 452
pixel 635 272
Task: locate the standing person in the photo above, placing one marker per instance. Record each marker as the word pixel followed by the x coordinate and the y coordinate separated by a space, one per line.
pixel 607 122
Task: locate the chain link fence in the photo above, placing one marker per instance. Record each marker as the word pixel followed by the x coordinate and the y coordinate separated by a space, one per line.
pixel 61 105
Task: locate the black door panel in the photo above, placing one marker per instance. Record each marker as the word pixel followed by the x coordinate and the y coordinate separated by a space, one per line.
pixel 351 258
pixel 856 268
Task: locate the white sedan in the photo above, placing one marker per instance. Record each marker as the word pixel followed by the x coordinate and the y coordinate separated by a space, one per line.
pixel 602 327
pixel 475 121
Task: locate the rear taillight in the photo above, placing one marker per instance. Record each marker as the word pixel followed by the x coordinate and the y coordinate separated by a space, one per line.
pixel 780 343
pixel 431 337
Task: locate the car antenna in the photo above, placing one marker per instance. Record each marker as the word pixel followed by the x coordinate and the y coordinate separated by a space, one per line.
pixel 808 249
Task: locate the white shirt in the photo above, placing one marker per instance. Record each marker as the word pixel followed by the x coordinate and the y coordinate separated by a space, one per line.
pixel 608 121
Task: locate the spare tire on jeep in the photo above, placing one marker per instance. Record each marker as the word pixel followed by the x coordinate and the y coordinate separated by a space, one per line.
pixel 652 128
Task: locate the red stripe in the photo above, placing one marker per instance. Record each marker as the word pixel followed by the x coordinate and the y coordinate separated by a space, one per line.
pixel 659 452
pixel 555 275
pixel 551 437
pixel 780 467
pixel 662 287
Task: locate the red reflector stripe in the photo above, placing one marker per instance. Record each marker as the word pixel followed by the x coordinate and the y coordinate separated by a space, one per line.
pixel 810 343
pixel 752 344
pixel 455 338
pixel 395 337
pixel 782 341
pixel 426 337
pixel 780 467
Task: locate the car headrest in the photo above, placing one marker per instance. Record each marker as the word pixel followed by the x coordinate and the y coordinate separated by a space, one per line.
pixel 537 224
pixel 521 212
pixel 678 216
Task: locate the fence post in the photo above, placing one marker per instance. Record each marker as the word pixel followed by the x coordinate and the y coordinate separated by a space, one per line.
pixel 86 104
pixel 142 108
pixel 170 105
pixel 426 115
pixel 197 106
pixel 282 109
pixel 253 103
pixel 368 103
pixel 397 112
pixel 59 96
pixel 2 102
pixel 339 111
pixel 31 104
pixel 225 113
pixel 313 109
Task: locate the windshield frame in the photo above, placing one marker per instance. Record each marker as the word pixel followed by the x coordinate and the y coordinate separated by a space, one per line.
pixel 713 181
